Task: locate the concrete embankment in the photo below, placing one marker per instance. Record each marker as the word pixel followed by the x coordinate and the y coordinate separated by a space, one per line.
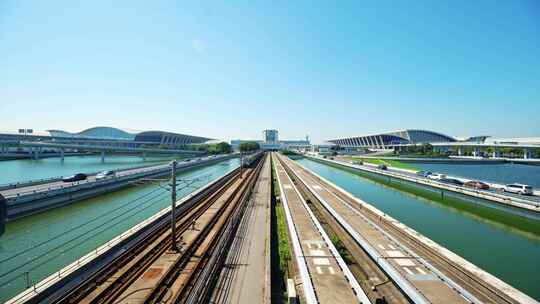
pixel 42 198
pixel 515 205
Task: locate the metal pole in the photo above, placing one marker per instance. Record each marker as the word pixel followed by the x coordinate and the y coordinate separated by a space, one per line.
pixel 173 206
pixel 241 163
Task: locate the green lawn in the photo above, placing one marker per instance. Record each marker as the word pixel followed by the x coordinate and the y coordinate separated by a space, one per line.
pixel 284 253
pixel 389 163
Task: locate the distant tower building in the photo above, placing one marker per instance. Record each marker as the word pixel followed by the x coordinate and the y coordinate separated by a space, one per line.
pixel 270 136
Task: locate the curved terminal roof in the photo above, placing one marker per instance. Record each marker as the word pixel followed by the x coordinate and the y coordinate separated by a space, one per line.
pixel 402 137
pixel 96 132
pixel 161 137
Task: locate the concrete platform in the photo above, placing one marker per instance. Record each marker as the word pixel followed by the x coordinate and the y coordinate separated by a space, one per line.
pixel 245 278
pixel 407 256
pixel 327 275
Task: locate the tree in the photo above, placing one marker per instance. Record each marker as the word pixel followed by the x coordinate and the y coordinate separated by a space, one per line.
pixel 249 146
pixel 223 147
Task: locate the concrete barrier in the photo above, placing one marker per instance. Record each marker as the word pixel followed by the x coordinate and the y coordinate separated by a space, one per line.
pixel 35 202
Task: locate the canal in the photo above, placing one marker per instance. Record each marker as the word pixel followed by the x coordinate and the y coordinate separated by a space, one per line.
pixel 44 243
pixel 12 171
pixel 490 243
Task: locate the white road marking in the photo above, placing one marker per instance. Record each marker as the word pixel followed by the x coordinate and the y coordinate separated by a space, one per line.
pixel 288 187
pixel 331 269
pixel 321 261
pixel 420 270
pixel 317 252
pixel 391 247
pixel 308 245
pixel 395 254
pixel 319 270
pixel 408 270
pixel 405 262
pixel 319 245
pixel 317 187
pixel 381 246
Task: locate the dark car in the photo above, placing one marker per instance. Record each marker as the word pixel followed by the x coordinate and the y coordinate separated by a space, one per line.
pixel 382 167
pixel 74 178
pixel 476 185
pixel 452 181
pixel 424 173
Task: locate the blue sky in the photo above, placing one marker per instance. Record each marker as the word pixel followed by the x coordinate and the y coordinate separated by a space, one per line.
pixel 230 69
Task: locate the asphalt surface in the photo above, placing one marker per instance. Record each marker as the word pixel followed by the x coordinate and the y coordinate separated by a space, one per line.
pixel 532 199
pixel 90 179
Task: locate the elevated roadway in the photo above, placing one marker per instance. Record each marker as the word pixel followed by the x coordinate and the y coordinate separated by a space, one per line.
pixel 142 265
pixel 425 271
pixel 324 275
pixel 495 195
pixel 24 199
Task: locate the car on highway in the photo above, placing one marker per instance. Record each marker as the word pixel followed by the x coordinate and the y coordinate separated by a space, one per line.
pixel 476 185
pixel 451 181
pixel 357 162
pixel 424 173
pixel 74 178
pixel 105 175
pixel 519 189
pixel 382 167
pixel 437 176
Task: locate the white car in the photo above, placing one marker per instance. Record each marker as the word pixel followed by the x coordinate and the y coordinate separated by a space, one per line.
pixel 437 176
pixel 519 189
pixel 105 174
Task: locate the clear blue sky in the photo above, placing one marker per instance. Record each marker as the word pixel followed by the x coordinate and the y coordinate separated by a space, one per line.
pixel 230 69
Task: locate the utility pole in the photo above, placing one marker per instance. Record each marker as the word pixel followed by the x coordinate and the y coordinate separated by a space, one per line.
pixel 241 163
pixel 173 206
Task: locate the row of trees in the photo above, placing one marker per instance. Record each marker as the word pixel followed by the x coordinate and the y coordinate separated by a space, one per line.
pixel 218 148
pixel 249 146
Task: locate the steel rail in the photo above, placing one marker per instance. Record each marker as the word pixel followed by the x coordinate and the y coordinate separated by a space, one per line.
pixel 101 275
pixel 307 284
pixel 493 295
pixel 355 286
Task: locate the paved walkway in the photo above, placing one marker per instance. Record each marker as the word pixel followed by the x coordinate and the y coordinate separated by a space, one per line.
pixel 246 275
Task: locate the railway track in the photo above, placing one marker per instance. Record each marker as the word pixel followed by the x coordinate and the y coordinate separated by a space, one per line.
pixel 150 272
pixel 469 286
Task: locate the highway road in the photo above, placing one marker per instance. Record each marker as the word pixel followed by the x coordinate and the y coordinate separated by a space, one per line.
pixel 52 185
pixel 495 189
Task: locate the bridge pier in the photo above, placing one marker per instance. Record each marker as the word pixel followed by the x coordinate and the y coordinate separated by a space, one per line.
pixel 476 152
pixel 102 156
pixel 496 153
pixel 459 151
pixel 62 155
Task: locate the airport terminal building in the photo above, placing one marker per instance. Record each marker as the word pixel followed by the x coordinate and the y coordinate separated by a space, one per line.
pixel 106 134
pixel 396 139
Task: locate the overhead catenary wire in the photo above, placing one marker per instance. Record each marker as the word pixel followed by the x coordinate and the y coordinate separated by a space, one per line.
pixel 108 212
pixel 77 227
pixel 151 199
pixel 78 236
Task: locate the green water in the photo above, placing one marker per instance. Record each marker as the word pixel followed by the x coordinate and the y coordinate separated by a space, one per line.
pixel 112 214
pixel 26 169
pixel 487 241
